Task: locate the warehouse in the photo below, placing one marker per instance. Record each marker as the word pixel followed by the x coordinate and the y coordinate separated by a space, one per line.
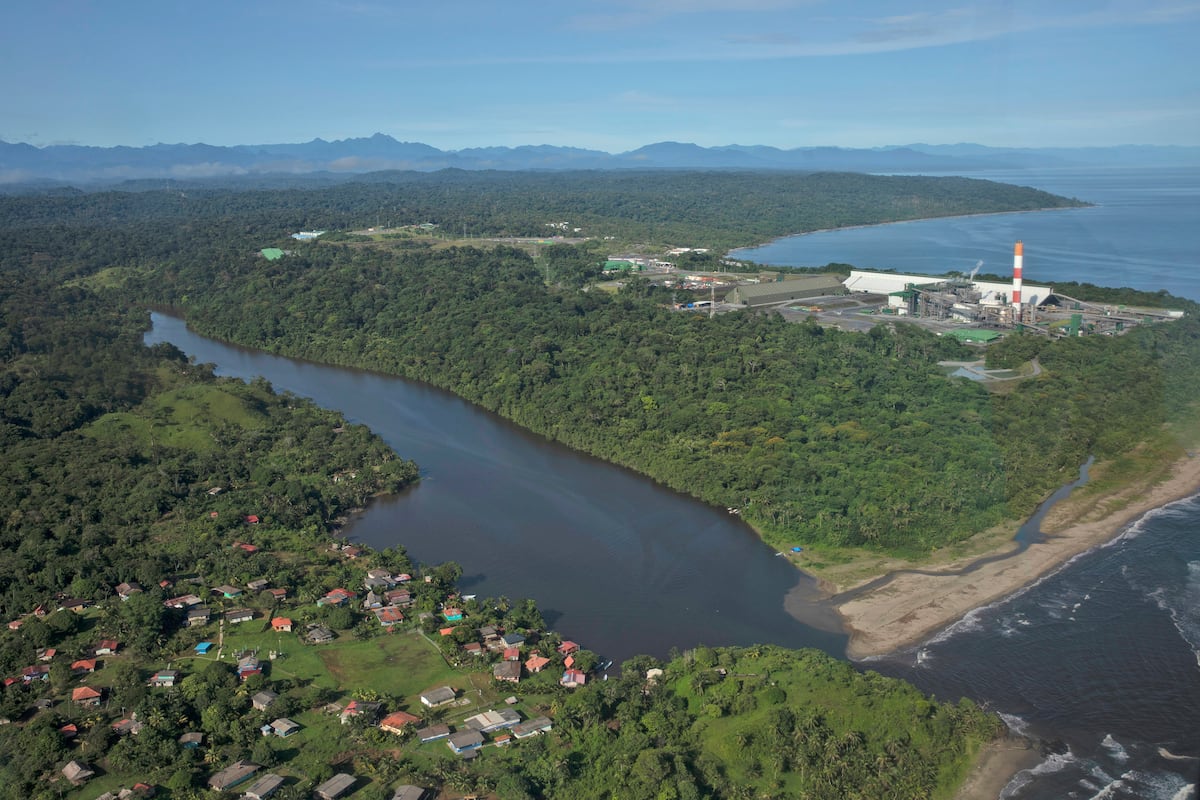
pixel 765 294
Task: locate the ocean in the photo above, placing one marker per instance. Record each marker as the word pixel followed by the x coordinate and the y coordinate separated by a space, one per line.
pixel 1102 658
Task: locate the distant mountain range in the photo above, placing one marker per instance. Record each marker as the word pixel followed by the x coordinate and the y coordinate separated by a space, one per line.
pixel 24 163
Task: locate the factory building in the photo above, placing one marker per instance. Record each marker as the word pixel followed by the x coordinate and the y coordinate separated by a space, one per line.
pixel 800 288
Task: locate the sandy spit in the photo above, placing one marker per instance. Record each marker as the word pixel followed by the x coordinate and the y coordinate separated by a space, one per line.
pixel 910 608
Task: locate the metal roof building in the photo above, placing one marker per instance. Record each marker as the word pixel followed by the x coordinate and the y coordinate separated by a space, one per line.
pixel 890 282
pixel 765 294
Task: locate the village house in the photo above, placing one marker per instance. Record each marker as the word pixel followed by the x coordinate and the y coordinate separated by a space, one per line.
pixel 336 597
pixel 36 672
pixel 75 604
pixel 86 696
pixel 106 647
pixel 47 654
pixel 473 649
pixel 533 727
pixel 262 700
pixel 452 614
pixel 264 787
pixel 433 733
pixel 512 654
pixel 245 547
pixel 397 721
pixel 282 727
pixel 203 647
pixel 197 615
pixel 567 648
pixel 77 772
pixel 237 615
pixel 319 634
pixel 257 585
pixel 127 727
pixel 183 601
pixel 437 697
pixel 165 677
pixel 572 679
pixel 388 616
pixel 493 720
pixel 191 740
pixel 281 625
pixel 70 731
pixel 84 666
pixel 236 773
pixel 407 791
pixel 360 709
pixel 126 590
pixel 228 592
pixel 512 639
pixel 278 594
pixel 464 741
pixel 401 598
pixel 536 663
pixel 247 666
pixel 335 787
pixel 372 600
pixel 509 671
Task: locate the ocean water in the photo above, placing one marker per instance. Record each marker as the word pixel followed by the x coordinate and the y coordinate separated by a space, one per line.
pixel 1142 232
pixel 1102 658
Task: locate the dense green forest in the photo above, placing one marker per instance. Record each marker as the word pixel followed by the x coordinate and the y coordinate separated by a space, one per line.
pixel 112 448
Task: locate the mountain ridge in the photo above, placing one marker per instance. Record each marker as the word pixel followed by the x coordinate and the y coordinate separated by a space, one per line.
pixel 73 163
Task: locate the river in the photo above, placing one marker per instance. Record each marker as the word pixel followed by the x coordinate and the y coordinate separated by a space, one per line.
pixel 1103 656
pixel 614 561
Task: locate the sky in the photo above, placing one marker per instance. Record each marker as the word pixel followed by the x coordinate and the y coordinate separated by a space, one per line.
pixel 611 75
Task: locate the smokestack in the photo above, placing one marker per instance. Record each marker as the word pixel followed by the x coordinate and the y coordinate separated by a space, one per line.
pixel 1018 263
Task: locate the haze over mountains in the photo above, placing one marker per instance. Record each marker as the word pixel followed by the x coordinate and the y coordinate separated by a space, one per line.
pixel 24 163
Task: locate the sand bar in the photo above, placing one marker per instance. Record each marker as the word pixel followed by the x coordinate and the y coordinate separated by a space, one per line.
pixel 910 608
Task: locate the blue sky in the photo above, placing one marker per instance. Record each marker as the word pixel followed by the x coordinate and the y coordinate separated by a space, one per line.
pixel 610 75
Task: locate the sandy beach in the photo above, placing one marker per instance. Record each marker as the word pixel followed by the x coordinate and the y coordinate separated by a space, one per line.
pixel 997 763
pixel 910 608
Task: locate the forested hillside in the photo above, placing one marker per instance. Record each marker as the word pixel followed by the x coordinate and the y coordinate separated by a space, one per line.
pixel 110 450
pixel 698 209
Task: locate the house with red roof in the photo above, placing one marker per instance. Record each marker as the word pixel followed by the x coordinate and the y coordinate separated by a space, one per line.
pixel 397 721
pixel 536 663
pixel 83 666
pixel 336 597
pixel 567 648
pixel 281 625
pixel 85 696
pixel 388 615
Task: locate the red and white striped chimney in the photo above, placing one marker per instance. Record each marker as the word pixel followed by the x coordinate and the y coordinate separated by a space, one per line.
pixel 1018 263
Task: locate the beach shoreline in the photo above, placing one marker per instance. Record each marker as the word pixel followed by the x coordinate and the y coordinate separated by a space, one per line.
pixel 910 608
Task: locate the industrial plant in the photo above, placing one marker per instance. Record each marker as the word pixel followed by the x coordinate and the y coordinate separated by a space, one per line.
pixel 970 309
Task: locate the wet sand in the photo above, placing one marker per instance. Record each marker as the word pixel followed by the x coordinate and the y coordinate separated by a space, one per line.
pixel 995 767
pixel 910 608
